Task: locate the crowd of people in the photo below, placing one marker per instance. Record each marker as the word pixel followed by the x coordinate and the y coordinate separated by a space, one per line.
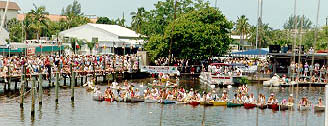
pixel 82 64
pixel 308 73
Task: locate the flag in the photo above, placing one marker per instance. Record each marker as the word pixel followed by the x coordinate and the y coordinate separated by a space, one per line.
pixel 77 46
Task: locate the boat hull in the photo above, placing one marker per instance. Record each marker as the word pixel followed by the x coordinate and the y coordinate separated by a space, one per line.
pixel 219 103
pixel 283 107
pixel 273 106
pixel 230 104
pixel 319 108
pixel 194 103
pixel 249 105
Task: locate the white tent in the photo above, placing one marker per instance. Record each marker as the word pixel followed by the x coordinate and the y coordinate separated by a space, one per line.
pixel 109 36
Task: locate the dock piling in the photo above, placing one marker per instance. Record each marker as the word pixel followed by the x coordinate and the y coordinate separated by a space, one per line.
pixel 57 86
pixel 72 87
pixel 33 97
pixel 40 89
pixel 22 90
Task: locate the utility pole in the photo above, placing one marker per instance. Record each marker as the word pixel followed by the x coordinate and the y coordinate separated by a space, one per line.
pixel 259 22
pixel 315 37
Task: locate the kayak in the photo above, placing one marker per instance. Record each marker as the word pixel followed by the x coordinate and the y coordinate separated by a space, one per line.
pixel 108 99
pixel 206 103
pixel 319 108
pixel 119 99
pixel 168 102
pixel 150 101
pixel 216 103
pixel 194 103
pixel 230 104
pixel 273 106
pixel 97 98
pixel 135 100
pixel 262 106
pixel 249 105
pixel 303 107
pixel 290 105
pixel 283 107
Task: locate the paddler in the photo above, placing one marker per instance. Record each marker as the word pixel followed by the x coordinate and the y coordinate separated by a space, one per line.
pixel 290 99
pixel 272 99
pixel 320 102
pixel 224 96
pixel 304 101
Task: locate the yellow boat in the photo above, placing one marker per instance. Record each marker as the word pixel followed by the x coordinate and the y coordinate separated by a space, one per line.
pixel 219 103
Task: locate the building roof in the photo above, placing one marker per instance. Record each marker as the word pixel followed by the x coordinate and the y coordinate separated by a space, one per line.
pixel 11 6
pixel 237 37
pixel 122 32
pixel 53 17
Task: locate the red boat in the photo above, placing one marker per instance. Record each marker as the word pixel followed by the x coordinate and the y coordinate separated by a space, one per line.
pixel 273 106
pixel 194 103
pixel 108 99
pixel 249 105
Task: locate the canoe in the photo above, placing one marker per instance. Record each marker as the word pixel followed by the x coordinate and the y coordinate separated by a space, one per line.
pixel 283 107
pixel 127 99
pixel 97 98
pixel 181 102
pixel 216 103
pixel 194 103
pixel 230 104
pixel 119 99
pixel 206 103
pixel 273 106
pixel 108 99
pixel 262 106
pixel 249 105
pixel 303 107
pixel 168 102
pixel 290 106
pixel 135 100
pixel 319 108
pixel 150 101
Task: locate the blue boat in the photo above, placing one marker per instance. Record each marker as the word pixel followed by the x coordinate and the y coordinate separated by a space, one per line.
pixel 168 102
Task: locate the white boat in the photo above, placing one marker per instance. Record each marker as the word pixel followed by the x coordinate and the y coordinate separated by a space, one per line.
pixel 97 97
pixel 319 108
pixel 273 82
pixel 214 78
pixel 150 101
pixel 304 108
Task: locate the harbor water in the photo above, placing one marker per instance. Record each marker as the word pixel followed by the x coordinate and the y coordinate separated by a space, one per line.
pixel 86 112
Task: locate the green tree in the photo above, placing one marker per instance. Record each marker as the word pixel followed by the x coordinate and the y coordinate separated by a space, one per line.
pixel 38 19
pixel 137 19
pixel 91 45
pixel 289 24
pixel 15 30
pixel 242 27
pixel 198 34
pixel 106 20
pixel 74 9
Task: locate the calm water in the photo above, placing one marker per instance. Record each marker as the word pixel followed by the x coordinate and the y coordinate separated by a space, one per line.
pixel 86 112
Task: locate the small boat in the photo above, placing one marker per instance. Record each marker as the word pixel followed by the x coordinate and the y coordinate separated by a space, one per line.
pixel 230 104
pixel 181 102
pixel 127 99
pixel 168 102
pixel 283 107
pixel 303 107
pixel 221 103
pixel 273 106
pixel 290 105
pixel 207 103
pixel 150 101
pixel 194 103
pixel 97 97
pixel 108 99
pixel 249 105
pixel 262 106
pixel 319 108
pixel 119 99
pixel 135 100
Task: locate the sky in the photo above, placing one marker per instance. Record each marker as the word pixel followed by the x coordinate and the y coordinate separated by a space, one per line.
pixel 275 12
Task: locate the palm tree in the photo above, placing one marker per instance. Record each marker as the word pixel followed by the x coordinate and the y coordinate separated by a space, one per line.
pixel 91 45
pixel 137 19
pixel 242 27
pixel 38 19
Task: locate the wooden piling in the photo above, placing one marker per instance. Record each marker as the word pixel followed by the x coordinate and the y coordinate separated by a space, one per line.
pixel 70 76
pixel 94 72
pixel 33 97
pixel 40 89
pixel 81 80
pixel 104 70
pixel 57 86
pixel 72 87
pixel 22 91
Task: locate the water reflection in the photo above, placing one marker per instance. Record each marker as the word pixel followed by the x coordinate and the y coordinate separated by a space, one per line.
pixel 22 116
pixel 40 112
